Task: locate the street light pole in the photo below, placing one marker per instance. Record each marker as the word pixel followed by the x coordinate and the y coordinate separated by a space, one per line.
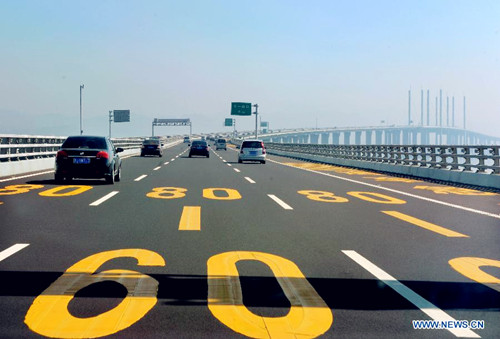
pixel 110 120
pixel 81 129
pixel 256 114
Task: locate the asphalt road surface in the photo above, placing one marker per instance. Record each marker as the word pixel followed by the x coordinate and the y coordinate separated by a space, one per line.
pixel 207 248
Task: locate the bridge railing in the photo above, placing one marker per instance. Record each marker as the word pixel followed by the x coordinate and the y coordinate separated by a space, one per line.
pixel 25 147
pixel 483 159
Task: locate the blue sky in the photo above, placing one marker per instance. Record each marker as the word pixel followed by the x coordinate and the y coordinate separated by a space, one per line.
pixel 344 63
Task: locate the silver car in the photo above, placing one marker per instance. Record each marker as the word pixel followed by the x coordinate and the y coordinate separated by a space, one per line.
pixel 252 150
pixel 221 144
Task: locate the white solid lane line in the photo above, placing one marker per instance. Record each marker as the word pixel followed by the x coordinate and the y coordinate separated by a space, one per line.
pixel 141 177
pixel 280 202
pixel 12 250
pixel 104 198
pixel 250 180
pixel 156 168
pixel 425 306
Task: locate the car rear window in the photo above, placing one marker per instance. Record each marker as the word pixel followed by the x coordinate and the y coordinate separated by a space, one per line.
pixel 85 142
pixel 222 141
pixel 251 144
pixel 151 142
pixel 199 143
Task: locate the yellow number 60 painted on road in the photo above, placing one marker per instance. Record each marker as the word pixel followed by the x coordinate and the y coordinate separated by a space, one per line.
pixel 49 315
pixel 309 315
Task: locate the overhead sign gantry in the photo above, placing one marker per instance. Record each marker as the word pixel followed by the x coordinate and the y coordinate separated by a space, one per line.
pixel 172 122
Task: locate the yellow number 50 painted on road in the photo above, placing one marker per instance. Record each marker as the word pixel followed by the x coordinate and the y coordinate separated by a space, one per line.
pixel 49 315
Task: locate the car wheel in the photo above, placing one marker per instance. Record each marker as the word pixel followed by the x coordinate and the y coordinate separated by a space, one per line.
pixel 239 161
pixel 110 179
pixel 208 155
pixel 263 162
pixel 190 155
pixel 142 154
pixel 118 176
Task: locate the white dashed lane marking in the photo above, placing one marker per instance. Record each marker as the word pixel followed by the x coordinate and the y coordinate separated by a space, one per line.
pixel 104 198
pixel 12 250
pixel 425 306
pixel 280 202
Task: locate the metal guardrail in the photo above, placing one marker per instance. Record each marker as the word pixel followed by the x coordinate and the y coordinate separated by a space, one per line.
pixel 476 159
pixel 25 147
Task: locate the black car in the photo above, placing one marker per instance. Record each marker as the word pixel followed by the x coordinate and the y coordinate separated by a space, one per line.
pixel 199 147
pixel 151 147
pixel 88 157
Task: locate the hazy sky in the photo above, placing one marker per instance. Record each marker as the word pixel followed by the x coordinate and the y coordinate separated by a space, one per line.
pixel 340 63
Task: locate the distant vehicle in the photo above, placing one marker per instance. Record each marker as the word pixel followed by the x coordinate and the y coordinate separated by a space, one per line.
pixel 152 147
pixel 199 147
pixel 187 140
pixel 221 144
pixel 252 150
pixel 88 157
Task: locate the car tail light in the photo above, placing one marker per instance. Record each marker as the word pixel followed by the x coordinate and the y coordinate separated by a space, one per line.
pixel 263 148
pixel 102 155
pixel 61 154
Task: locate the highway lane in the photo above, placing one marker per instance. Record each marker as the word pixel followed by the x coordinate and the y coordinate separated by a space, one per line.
pixel 237 215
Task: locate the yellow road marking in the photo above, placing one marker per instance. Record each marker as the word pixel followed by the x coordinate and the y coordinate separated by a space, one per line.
pixel 49 315
pixel 309 316
pixel 326 168
pixel 393 179
pixel 453 190
pixel 424 224
pixel 471 268
pixel 190 219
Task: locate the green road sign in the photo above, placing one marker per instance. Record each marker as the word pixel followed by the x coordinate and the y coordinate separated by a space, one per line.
pixel 228 122
pixel 121 115
pixel 241 108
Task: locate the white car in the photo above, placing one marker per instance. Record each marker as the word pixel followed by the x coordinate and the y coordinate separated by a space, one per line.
pixel 220 144
pixel 252 150
pixel 187 140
